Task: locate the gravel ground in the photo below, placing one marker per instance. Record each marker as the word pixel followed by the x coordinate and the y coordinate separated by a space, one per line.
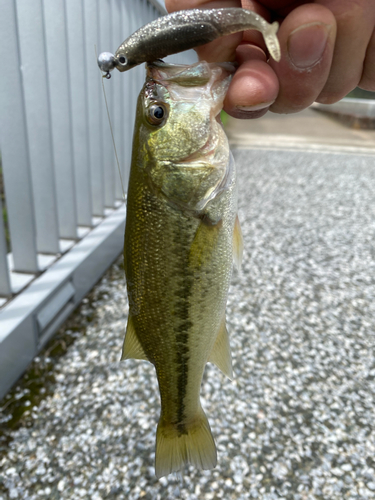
pixel 297 423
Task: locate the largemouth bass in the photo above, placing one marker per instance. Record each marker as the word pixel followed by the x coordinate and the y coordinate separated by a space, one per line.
pixel 181 237
pixel 183 30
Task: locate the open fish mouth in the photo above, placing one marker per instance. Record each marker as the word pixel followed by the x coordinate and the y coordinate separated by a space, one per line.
pixel 188 83
pixel 186 69
pixel 192 76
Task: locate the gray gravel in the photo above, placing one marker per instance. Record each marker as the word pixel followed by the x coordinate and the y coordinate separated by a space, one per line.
pixel 298 422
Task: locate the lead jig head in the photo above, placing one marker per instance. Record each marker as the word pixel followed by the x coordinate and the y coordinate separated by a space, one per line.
pixel 106 63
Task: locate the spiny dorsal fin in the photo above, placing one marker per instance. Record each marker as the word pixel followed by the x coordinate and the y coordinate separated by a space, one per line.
pixel 237 244
pixel 132 347
pixel 220 354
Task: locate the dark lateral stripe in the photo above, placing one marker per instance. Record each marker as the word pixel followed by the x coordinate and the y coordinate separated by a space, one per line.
pixel 183 295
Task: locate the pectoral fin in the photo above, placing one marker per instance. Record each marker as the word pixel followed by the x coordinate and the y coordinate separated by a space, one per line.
pixel 132 347
pixel 204 242
pixel 237 244
pixel 220 354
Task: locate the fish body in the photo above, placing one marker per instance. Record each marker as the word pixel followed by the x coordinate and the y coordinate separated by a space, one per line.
pixel 180 240
pixel 188 29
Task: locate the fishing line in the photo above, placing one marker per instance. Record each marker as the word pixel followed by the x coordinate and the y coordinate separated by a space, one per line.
pixel 110 126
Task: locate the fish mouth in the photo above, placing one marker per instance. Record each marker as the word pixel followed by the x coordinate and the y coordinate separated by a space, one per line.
pixel 191 74
pixel 198 74
pixel 191 83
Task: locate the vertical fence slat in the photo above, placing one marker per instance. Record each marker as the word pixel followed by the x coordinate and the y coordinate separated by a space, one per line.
pixel 5 289
pixel 128 98
pixel 59 93
pixel 133 83
pixel 94 98
pixel 105 45
pixel 31 39
pixel 14 146
pixel 140 21
pixel 158 7
pixel 124 89
pixel 117 117
pixel 150 12
pixel 142 16
pixel 77 74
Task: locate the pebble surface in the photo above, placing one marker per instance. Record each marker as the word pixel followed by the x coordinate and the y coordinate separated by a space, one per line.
pixel 298 421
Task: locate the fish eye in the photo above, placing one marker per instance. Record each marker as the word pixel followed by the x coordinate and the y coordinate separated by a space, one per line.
pixel 122 60
pixel 156 114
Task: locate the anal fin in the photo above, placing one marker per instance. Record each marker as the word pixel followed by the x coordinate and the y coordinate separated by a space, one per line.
pixel 132 347
pixel 237 244
pixel 220 354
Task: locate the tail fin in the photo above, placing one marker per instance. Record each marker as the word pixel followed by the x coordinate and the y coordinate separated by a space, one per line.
pixel 272 41
pixel 194 446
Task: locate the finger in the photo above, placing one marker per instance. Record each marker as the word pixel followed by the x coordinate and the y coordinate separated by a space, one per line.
pixel 355 23
pixel 367 81
pixel 307 37
pixel 254 86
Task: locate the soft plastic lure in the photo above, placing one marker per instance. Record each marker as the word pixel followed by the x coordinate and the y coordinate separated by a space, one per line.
pixel 185 30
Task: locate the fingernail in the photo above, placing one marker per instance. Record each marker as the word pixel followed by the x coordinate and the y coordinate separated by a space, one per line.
pixel 307 43
pixel 248 114
pixel 255 107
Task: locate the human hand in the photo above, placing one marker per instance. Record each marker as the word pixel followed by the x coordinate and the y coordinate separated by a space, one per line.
pixel 327 49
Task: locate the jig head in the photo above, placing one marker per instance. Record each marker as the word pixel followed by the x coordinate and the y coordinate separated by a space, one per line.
pixel 106 63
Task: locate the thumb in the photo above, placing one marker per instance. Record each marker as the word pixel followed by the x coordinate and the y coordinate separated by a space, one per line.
pixel 307 37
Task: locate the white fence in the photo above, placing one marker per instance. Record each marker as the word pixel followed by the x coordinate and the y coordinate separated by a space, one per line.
pixel 63 195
